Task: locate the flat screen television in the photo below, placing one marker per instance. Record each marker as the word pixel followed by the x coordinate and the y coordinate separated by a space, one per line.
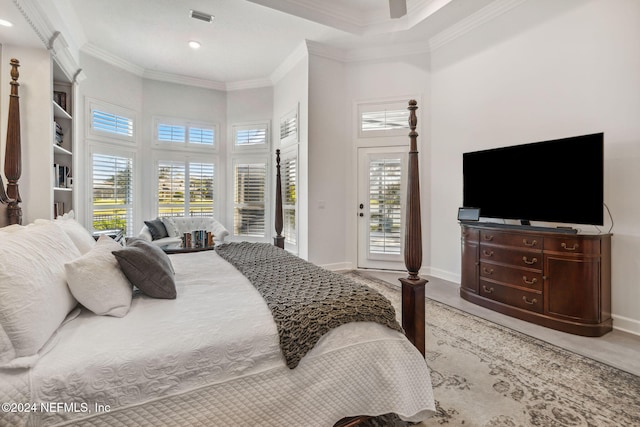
pixel 552 181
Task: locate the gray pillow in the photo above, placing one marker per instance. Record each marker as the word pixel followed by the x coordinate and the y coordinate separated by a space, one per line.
pixel 157 229
pixel 148 268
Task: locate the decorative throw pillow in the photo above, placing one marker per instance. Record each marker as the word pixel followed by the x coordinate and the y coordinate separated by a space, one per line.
pixel 136 242
pixel 171 226
pixel 150 273
pixel 79 235
pixel 34 296
pixel 157 229
pixel 97 282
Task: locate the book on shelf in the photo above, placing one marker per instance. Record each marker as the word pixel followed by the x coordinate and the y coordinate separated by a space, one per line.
pixel 58 209
pixel 59 134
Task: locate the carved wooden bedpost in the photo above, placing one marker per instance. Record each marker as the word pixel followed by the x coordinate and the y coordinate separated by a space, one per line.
pixel 12 160
pixel 413 287
pixel 279 239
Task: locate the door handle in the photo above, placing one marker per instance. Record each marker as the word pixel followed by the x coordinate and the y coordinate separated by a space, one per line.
pixel 361 214
pixel 361 206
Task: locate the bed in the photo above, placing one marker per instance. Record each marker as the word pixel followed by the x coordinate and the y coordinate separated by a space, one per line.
pixel 213 355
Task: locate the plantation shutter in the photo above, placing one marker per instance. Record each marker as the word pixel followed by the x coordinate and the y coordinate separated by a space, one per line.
pixel 112 192
pixel 289 128
pixel 111 123
pixel 384 120
pixel 385 223
pixel 171 188
pixel 250 136
pixel 201 136
pixel 171 133
pixel 249 205
pixel 289 179
pixel 201 186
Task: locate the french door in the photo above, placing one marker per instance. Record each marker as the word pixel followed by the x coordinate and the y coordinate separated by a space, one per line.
pixel 381 203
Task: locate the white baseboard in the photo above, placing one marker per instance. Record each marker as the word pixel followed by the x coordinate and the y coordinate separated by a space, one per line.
pixel 443 274
pixel 625 324
pixel 338 266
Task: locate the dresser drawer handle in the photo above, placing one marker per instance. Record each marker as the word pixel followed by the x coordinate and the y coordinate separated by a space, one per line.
pixel 533 301
pixel 529 282
pixel 526 260
pixel 486 270
pixel 527 243
pixel 488 237
pixel 487 290
pixel 487 253
pixel 565 247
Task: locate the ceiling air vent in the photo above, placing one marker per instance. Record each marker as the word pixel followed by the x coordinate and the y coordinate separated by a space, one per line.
pixel 201 16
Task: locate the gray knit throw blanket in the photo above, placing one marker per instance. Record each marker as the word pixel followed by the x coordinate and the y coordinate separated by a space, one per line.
pixel 306 301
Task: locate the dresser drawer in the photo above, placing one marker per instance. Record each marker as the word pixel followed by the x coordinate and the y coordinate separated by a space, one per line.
pixel 528 300
pixel 511 239
pixel 572 245
pixel 512 276
pixel 512 257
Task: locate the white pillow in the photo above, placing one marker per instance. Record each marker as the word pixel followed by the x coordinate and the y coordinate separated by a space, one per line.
pixel 79 235
pixel 34 297
pixel 96 281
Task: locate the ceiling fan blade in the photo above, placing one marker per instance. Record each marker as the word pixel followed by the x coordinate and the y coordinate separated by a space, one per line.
pixel 397 8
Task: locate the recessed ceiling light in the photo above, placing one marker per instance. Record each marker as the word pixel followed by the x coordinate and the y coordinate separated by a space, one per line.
pixel 194 44
pixel 5 23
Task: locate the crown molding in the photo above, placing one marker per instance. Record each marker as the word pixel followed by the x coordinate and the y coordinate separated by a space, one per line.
pixel 289 62
pixel 183 80
pixel 52 40
pixel 109 58
pixel 248 84
pixel 484 15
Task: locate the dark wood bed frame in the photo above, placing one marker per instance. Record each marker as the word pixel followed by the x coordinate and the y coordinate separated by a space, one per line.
pixel 413 287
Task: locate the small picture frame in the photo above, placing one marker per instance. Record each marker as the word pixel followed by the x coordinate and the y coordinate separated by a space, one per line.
pixel 60 98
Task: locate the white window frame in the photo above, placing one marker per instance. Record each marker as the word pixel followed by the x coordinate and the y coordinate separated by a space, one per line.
pixel 261 125
pixel 242 159
pixel 186 145
pixel 91 132
pixel 293 136
pixel 97 148
pixel 380 106
pixel 185 159
pixel 285 155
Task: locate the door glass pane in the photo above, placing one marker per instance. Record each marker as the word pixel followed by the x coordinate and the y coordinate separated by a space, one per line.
pixel 385 219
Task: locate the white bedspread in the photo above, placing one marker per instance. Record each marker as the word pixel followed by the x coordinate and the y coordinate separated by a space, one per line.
pixel 211 357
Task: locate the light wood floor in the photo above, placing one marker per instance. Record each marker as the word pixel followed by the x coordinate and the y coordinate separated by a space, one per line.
pixel 618 349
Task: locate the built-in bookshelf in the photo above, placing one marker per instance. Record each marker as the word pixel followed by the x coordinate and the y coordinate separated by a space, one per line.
pixel 63 144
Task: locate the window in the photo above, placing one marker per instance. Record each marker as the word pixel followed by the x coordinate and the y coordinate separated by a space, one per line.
pixel 249 198
pixel 385 206
pixel 180 131
pixel 383 119
pixel 250 136
pixel 289 173
pixel 289 127
pixel 112 192
pixel 175 177
pixel 110 121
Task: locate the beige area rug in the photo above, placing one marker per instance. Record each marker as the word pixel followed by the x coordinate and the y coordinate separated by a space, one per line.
pixel 484 374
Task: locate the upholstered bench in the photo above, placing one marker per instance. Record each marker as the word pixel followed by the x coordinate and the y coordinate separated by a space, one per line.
pixel 167 231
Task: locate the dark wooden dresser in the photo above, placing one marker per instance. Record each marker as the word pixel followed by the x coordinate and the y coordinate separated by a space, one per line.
pixel 555 279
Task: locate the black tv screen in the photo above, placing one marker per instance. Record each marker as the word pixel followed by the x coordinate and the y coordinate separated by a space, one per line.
pixel 552 181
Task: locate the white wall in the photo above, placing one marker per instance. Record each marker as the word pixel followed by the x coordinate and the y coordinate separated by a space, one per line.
pixel 289 92
pixel 544 70
pixel 36 113
pixel 399 78
pixel 329 161
pixel 163 99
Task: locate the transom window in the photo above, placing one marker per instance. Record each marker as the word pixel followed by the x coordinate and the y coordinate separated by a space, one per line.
pixel 250 136
pixel 383 119
pixel 176 131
